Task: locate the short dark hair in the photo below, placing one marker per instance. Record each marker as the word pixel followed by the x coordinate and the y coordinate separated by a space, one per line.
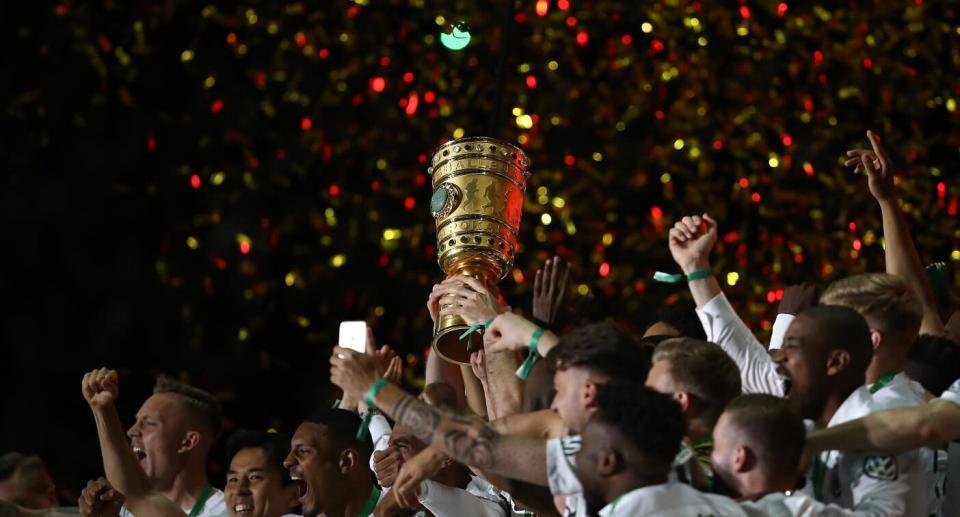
pixel 683 317
pixel 274 446
pixel 201 404
pixel 772 428
pixel 604 349
pixel 847 330
pixel 29 468
pixel 703 369
pixel 651 422
pixel 342 427
pixel 934 362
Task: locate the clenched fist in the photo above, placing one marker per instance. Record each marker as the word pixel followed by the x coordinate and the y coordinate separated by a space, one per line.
pixel 99 499
pixel 100 387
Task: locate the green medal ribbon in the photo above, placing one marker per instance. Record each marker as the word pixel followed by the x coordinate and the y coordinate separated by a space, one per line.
pixel 476 328
pixel 371 503
pixel 881 383
pixel 201 501
pixel 532 355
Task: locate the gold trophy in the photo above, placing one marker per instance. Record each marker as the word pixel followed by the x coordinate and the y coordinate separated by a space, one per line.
pixel 478 186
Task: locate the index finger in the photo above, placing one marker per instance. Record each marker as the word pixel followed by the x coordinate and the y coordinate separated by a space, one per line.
pixel 877 148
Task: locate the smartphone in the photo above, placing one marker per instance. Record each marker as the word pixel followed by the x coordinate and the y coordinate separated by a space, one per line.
pixel 353 335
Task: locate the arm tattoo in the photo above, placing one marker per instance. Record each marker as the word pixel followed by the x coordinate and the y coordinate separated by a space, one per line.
pixel 467 440
pixel 421 419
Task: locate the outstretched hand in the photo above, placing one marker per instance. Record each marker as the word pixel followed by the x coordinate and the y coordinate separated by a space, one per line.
pixel 691 240
pixel 352 372
pixel 878 166
pixel 100 387
pixel 549 288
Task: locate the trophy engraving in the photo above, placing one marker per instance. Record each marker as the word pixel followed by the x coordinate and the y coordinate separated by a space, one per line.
pixel 477 203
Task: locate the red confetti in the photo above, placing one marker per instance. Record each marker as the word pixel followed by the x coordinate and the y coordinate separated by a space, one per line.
pixel 807 168
pixel 717 144
pixel 409 203
pixel 786 139
pixel 217 106
pixel 151 143
pixel 755 197
pixel 244 247
pixel 385 61
pixel 626 39
pixel 570 160
pixel 306 123
pixel 334 190
pixel 408 77
pixel 604 269
pixel 818 56
pixel 656 45
pixel 744 183
pixel 300 38
pixel 656 212
pixel 857 244
pixel 660 115
pixel 867 63
pixel 378 84
pixel 531 81
pixel 808 104
pixel 781 9
pixel 323 53
pixel 412 101
pixel 745 12
pixel 582 38
pixel 429 96
pixel 231 39
pixel 563 5
pixel 571 21
pixel 195 181
pixel 852 226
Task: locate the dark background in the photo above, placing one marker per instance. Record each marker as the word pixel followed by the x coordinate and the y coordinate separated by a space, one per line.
pixel 146 144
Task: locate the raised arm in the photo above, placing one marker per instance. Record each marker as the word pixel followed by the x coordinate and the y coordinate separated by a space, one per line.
pixel 466 439
pixel 691 239
pixel 900 253
pixel 100 388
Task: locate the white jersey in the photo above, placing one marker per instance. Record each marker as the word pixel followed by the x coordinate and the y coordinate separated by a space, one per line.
pixel 953 393
pixel 215 506
pixel 479 499
pixel 796 504
pixel 758 373
pixel 562 477
pixel 885 484
pixel 671 500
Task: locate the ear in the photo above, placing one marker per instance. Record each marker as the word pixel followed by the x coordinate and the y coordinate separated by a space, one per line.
pixel 743 459
pixel 684 399
pixel 875 339
pixel 837 361
pixel 190 441
pixel 608 462
pixel 447 461
pixel 589 394
pixel 349 459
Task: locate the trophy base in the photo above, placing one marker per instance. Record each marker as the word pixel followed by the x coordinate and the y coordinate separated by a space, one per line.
pixel 447 343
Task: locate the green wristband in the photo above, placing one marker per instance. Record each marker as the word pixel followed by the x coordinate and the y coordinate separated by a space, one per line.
pixel 372 392
pixel 532 355
pixel 699 274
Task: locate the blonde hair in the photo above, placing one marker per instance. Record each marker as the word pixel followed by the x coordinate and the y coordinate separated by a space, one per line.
pixel 703 369
pixel 884 300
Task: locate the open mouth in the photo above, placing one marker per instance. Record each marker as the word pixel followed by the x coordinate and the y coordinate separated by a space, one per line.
pixel 138 452
pixel 242 508
pixel 786 382
pixel 301 487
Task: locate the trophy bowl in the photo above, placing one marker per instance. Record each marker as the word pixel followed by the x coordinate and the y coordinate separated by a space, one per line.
pixel 478 188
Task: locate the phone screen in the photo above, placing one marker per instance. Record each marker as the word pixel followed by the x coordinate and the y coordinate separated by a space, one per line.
pixel 353 335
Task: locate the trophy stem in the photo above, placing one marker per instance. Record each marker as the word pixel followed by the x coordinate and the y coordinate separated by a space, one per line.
pixel 449 327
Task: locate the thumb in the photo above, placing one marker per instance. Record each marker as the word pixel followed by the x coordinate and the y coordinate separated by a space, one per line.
pixel 711 223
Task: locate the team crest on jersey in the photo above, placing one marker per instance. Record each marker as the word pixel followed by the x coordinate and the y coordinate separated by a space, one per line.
pixel 883 468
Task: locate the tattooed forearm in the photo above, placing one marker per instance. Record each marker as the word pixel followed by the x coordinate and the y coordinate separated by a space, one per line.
pixel 474 446
pixel 468 440
pixel 421 419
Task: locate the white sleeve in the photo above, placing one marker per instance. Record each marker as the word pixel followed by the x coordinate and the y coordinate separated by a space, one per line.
pixel 561 477
pixel 880 483
pixel 953 393
pixel 724 327
pixel 780 329
pixel 447 501
pixel 380 431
